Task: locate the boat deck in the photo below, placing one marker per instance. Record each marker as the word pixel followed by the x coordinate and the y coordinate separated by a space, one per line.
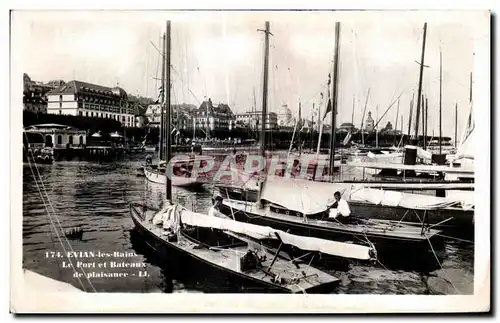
pixel 298 280
pixel 380 228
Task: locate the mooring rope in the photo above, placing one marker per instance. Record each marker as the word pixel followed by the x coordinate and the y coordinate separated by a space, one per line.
pixel 56 217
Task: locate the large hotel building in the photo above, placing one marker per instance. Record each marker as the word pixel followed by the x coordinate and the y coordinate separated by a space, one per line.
pixel 84 99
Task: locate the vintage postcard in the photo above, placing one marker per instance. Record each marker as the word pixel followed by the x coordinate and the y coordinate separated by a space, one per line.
pixel 219 161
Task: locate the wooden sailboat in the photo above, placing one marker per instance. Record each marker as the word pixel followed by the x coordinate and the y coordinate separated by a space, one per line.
pixel 217 246
pixel 182 169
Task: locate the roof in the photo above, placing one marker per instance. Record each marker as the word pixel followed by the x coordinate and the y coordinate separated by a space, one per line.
pixel 49 126
pixel 346 125
pixel 73 87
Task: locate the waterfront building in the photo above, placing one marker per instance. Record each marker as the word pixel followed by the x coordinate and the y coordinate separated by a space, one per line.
pixel 210 117
pixel 34 95
pixel 58 136
pixel 253 119
pixel 79 98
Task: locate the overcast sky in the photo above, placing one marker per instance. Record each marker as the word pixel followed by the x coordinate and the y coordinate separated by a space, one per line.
pixel 220 55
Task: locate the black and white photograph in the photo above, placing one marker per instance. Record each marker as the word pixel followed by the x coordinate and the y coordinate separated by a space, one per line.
pixel 204 157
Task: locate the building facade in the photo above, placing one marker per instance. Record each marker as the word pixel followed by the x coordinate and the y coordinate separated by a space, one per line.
pixel 210 117
pixel 59 136
pixel 90 100
pixel 253 119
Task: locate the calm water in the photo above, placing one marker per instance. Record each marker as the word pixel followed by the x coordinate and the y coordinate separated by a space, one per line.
pixel 95 197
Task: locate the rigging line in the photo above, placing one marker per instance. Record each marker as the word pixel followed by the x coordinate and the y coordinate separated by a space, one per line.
pixel 439 263
pixel 454 238
pixel 180 76
pixel 51 221
pixel 60 227
pixel 56 217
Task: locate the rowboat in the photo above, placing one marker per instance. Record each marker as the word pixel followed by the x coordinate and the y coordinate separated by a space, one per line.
pixel 231 249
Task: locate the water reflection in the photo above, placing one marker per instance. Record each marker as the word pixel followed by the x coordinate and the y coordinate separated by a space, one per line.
pixel 95 197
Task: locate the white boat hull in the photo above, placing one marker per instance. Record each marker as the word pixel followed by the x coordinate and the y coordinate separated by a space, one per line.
pixel 155 177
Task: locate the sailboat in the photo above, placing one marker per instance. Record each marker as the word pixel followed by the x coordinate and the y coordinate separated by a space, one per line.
pixel 366 198
pixel 181 171
pixel 303 207
pixel 214 245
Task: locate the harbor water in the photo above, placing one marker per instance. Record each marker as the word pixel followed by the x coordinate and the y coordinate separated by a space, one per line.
pixel 94 197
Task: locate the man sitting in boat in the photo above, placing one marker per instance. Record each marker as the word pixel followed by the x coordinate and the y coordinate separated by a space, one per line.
pixel 339 210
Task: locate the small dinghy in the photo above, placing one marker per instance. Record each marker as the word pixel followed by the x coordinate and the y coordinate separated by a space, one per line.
pixel 208 244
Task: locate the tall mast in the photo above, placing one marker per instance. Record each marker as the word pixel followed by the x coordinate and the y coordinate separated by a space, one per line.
pixel 456 121
pixel 168 154
pixel 397 117
pixel 352 117
pixel 334 97
pixel 440 98
pixel 264 91
pixel 419 97
pixel 363 118
pixel 411 113
pixel 470 91
pixel 376 129
pixel 425 126
pixel 162 95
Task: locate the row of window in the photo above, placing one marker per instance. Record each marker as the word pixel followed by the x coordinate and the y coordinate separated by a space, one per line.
pixel 116 117
pixel 48 140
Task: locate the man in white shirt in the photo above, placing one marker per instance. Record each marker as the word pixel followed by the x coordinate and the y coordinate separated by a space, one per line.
pixel 340 209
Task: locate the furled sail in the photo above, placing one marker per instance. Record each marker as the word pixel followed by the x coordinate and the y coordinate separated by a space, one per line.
pixel 406 200
pixel 334 248
pixel 304 196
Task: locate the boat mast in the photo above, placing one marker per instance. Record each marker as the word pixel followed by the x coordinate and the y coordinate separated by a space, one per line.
pixel 424 120
pixel 334 97
pixel 411 115
pixel 396 125
pixel 162 94
pixel 440 98
pixel 419 97
pixel 168 154
pixel 264 91
pixel 363 118
pixel 352 117
pixel 456 121
pixel 376 129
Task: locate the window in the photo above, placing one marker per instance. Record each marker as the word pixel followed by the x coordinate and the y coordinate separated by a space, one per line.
pixel 70 140
pixel 59 139
pixel 80 113
pixel 80 140
pixel 86 113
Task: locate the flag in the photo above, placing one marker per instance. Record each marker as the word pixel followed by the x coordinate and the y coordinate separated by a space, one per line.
pixel 328 108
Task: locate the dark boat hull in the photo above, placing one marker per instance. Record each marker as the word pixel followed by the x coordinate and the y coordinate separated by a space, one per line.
pixel 185 265
pixel 385 245
pixel 461 220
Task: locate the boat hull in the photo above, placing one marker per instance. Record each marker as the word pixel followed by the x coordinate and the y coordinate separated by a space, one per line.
pixel 461 220
pixel 386 245
pixel 186 182
pixel 185 264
